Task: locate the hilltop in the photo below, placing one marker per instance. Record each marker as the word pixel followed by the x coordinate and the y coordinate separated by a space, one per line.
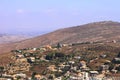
pixel 92 32
pixel 83 51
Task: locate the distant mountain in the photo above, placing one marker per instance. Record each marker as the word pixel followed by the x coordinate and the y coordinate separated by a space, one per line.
pixel 6 38
pixel 92 32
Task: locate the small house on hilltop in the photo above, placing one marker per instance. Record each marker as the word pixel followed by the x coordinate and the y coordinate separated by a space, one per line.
pixel 52 68
pixel 94 73
pixel 83 64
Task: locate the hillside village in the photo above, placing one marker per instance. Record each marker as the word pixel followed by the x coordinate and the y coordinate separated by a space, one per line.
pixel 59 40
pixel 77 61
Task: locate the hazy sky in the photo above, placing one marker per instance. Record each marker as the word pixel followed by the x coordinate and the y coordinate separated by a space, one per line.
pixel 47 15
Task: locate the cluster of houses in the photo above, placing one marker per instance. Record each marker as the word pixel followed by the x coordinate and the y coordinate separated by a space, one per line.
pixel 72 69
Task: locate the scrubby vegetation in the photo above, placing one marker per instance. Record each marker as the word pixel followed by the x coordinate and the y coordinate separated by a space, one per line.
pixel 51 60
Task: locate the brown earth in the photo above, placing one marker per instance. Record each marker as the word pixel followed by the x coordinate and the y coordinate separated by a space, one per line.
pixel 92 32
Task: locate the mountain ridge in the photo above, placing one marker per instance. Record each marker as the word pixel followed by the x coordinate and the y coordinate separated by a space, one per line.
pixel 7 38
pixel 91 32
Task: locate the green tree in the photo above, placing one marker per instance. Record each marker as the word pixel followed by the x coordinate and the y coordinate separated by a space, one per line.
pixel 119 54
pixel 1 68
pixel 33 75
pixel 59 45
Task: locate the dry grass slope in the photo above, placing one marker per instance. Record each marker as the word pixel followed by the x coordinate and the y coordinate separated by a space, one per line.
pixel 97 31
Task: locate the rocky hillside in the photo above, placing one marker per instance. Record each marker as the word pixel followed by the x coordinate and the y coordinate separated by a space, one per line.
pixel 92 32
